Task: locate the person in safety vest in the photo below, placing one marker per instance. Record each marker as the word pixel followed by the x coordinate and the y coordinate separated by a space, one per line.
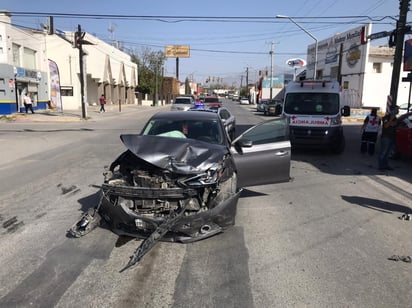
pixel 370 131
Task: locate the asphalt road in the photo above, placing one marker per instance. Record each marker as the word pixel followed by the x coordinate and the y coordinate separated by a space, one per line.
pixel 321 240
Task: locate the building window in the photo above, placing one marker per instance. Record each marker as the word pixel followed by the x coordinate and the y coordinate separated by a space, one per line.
pixel 29 58
pixel 346 85
pixel 334 72
pixel 377 68
pixel 66 91
pixel 16 55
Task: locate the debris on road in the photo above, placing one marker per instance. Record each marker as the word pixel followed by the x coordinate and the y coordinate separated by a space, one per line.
pixel 407 259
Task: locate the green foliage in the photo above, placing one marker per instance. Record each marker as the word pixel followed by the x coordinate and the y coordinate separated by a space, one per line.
pixel 187 87
pixel 244 92
pixel 149 63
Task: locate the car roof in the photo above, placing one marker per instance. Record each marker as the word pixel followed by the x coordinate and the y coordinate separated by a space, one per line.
pixel 183 97
pixel 185 115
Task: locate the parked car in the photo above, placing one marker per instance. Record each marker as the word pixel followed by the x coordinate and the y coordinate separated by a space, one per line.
pixel 182 103
pixel 180 178
pixel 212 101
pixel 244 101
pixel 260 107
pixel 273 107
pixel 404 135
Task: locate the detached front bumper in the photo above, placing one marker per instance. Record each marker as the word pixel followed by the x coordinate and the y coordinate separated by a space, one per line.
pixel 191 226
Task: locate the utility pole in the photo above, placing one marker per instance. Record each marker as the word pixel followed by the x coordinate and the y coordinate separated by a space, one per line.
pixel 271 70
pixel 247 80
pixel 177 68
pixel 79 43
pixel 400 36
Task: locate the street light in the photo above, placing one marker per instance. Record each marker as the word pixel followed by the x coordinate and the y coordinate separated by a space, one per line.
pixel 308 33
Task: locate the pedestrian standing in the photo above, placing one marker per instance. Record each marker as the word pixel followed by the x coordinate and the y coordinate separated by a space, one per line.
pixel 102 103
pixel 28 104
pixel 370 130
pixel 389 123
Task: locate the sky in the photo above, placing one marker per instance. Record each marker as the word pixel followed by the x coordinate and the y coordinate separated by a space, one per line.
pixel 226 38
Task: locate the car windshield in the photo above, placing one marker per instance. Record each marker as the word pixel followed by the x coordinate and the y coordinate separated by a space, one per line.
pixel 183 100
pixel 312 103
pixel 203 130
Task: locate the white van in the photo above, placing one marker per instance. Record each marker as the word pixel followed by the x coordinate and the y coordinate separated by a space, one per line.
pixel 314 114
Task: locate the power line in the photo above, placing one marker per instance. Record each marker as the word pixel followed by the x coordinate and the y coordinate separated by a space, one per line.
pixel 180 18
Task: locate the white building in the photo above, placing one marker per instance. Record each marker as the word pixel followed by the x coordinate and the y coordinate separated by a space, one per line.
pixel 47 65
pixel 107 70
pixel 23 67
pixel 365 71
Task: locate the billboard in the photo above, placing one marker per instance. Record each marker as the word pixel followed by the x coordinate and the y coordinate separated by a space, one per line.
pixel 177 51
pixel 55 96
pixel 348 44
pixel 277 82
pixel 407 56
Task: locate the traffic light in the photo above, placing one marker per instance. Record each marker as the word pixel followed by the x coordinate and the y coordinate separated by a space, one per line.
pixel 392 39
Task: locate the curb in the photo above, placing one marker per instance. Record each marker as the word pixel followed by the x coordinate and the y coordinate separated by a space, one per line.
pixel 42 117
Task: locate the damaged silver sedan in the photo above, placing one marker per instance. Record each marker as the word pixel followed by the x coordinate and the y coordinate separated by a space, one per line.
pixel 181 178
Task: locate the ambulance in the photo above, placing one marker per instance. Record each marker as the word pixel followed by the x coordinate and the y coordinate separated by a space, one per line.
pixel 314 114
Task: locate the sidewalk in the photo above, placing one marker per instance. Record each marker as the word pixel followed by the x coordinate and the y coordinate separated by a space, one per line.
pixel 92 114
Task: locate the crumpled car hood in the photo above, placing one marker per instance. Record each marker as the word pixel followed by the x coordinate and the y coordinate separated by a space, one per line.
pixel 178 155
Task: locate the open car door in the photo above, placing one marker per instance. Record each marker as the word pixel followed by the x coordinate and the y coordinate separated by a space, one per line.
pixel 404 135
pixel 265 153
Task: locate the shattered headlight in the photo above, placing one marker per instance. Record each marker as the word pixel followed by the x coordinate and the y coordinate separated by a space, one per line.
pixel 204 179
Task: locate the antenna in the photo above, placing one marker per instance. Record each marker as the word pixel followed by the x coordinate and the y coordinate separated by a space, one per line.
pixel 111 29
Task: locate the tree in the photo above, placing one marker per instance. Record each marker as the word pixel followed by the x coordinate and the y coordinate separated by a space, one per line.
pixel 188 90
pixel 149 63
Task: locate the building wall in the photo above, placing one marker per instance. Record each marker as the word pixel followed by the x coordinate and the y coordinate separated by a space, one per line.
pixel 107 70
pixel 67 60
pixel 377 83
pixel 362 86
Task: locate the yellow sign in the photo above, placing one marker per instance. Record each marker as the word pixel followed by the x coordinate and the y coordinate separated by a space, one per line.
pixel 177 51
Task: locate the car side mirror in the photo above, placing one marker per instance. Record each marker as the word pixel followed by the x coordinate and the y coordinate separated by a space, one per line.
pixel 245 143
pixel 345 111
pixel 242 143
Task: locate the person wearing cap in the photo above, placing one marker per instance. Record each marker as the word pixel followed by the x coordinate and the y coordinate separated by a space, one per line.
pixel 389 123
